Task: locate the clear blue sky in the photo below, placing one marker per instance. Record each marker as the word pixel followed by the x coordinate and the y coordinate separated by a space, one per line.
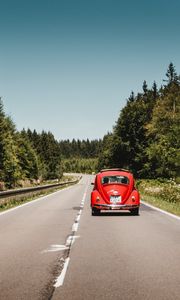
pixel 69 66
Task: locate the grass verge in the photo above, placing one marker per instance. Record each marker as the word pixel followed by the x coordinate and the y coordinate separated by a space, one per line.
pixel 17 200
pixel 164 194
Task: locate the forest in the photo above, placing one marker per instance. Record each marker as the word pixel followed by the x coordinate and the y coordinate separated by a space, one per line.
pixel 145 140
pixel 146 137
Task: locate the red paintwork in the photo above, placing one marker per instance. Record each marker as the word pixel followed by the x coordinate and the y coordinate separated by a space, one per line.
pixel 104 191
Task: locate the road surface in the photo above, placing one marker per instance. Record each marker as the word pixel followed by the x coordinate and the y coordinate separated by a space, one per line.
pixel 53 248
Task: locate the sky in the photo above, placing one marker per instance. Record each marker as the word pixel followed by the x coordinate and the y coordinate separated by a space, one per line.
pixel 68 66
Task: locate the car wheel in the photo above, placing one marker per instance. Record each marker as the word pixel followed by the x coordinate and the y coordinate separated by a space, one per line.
pixel 95 212
pixel 135 211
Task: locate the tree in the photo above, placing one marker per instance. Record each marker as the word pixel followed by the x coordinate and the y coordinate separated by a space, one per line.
pixel 27 157
pixel 9 164
pixel 145 87
pixel 155 90
pixel 171 74
pixel 164 133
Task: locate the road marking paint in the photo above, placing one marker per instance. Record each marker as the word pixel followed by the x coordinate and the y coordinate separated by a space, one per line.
pixel 80 212
pixel 161 210
pixel 60 279
pixel 69 242
pixel 71 239
pixel 55 248
pixel 78 218
pixel 75 227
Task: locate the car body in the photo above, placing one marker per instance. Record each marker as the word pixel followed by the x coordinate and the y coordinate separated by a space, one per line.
pixel 114 189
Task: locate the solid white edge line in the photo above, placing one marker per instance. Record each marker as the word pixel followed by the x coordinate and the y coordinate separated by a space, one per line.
pixel 160 210
pixel 33 201
pixel 60 279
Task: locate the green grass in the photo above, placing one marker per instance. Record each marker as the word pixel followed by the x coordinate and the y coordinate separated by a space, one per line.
pixel 164 194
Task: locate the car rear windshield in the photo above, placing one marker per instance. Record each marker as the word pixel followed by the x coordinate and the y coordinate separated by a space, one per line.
pixel 117 179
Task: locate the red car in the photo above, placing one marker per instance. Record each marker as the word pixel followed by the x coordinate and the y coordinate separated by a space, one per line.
pixel 114 189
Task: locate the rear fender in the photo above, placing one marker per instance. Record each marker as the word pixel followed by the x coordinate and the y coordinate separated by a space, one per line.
pixel 134 198
pixel 94 196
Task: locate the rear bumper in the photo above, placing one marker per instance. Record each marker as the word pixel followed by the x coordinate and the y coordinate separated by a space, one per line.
pixel 114 206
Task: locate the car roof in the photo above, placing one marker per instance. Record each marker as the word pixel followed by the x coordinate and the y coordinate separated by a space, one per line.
pixel 116 171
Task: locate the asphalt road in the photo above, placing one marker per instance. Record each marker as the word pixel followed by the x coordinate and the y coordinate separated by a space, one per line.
pixel 112 256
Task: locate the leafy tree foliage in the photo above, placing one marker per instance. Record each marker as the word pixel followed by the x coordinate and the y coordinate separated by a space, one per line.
pixel 48 151
pixel 80 165
pixel 9 168
pixel 146 137
pixel 83 149
pixel 164 130
pixel 27 157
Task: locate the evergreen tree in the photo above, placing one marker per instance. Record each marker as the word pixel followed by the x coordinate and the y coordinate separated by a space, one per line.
pixel 145 87
pixel 155 91
pixel 171 74
pixel 27 157
pixel 164 131
pixel 9 167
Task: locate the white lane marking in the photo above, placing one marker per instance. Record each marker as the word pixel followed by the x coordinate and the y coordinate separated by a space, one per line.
pixel 161 210
pixel 33 201
pixel 60 279
pixel 75 227
pixel 71 239
pixel 78 218
pixel 55 248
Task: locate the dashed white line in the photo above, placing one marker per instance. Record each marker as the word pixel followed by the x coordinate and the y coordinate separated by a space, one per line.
pixel 70 240
pixel 75 227
pixel 80 212
pixel 78 218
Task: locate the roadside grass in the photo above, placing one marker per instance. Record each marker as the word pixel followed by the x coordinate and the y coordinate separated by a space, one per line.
pixel 164 194
pixel 17 200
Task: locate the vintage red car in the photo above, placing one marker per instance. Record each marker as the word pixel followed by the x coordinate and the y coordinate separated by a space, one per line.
pixel 114 189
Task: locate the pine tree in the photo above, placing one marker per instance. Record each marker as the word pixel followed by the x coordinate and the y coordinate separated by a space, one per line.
pixel 171 74
pixel 145 87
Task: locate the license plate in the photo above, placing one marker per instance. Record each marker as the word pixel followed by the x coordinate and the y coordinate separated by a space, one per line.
pixel 115 199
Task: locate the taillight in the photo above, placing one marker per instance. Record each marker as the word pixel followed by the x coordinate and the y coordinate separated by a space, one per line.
pixel 133 198
pixel 97 199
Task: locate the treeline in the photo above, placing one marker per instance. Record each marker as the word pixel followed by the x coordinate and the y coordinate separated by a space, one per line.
pixel 80 149
pixel 28 157
pixel 80 156
pixel 80 165
pixel 146 137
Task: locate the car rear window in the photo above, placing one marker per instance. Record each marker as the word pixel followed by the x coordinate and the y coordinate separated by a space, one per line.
pixel 117 179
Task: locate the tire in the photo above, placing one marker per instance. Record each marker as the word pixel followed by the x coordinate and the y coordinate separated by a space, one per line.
pixel 95 212
pixel 135 211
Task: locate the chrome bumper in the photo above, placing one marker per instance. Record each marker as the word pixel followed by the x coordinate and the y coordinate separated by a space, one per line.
pixel 115 206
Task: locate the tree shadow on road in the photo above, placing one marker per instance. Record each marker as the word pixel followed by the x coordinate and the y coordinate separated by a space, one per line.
pixel 116 214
